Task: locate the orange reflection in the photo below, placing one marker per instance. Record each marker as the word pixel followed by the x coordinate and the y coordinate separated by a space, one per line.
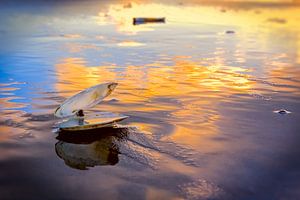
pixel 76 47
pixel 73 75
pixel 130 44
pixel 194 12
pixel 187 93
pixel 188 88
pixel 11 119
pixel 8 104
pixel 279 79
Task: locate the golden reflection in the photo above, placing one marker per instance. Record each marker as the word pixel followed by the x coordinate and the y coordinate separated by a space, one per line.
pixel 73 74
pixel 195 13
pixel 76 47
pixel 130 44
pixel 123 16
pixel 184 91
pixel 298 49
pixel 289 83
pixel 153 82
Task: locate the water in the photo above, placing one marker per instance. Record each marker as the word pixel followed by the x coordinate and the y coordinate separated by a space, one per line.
pixel 200 90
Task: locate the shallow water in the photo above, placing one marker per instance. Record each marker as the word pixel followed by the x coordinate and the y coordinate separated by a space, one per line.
pixel 200 90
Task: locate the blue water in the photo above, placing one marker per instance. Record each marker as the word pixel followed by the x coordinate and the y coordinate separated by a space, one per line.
pixel 200 101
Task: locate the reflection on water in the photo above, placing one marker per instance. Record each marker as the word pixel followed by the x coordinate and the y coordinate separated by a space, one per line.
pixel 90 148
pixel 202 100
pixel 104 146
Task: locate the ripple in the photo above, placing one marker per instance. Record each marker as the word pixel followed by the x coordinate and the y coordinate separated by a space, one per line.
pixel 12 83
pixel 130 44
pixel 9 103
pixel 201 190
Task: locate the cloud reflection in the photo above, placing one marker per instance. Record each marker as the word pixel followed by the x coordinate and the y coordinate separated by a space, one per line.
pixel 184 91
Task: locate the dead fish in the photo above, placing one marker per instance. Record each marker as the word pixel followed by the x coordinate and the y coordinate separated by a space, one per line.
pixel 85 99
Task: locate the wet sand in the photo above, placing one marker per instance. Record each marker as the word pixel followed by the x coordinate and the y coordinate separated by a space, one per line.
pixel 200 91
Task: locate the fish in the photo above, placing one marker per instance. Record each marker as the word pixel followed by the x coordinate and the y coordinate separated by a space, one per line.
pixel 85 99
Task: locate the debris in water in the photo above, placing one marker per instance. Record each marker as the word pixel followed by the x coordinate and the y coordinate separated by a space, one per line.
pixel 277 20
pixel 129 5
pixel 230 32
pixel 282 111
pixel 143 20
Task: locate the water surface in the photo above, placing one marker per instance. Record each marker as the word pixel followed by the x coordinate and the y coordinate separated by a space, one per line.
pixel 200 91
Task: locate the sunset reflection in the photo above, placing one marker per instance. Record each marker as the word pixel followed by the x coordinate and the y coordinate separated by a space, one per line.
pixel 211 89
pixel 193 13
pixel 72 74
pixel 140 89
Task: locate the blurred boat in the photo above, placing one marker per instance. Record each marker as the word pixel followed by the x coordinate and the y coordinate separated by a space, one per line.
pixel 144 20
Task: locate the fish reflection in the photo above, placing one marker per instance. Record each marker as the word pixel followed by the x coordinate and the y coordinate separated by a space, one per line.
pixel 91 148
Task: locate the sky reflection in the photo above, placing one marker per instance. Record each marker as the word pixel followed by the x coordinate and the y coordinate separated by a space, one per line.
pixel 200 90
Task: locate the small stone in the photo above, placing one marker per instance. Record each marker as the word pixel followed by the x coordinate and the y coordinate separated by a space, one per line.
pixel 282 111
pixel 230 32
pixel 127 5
